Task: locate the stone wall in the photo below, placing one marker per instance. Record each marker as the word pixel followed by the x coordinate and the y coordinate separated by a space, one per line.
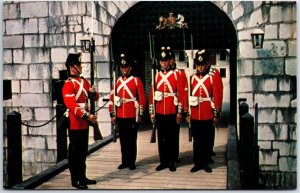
pixel 36 43
pixel 268 77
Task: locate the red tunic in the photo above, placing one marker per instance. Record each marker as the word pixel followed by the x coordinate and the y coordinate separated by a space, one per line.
pixel 210 89
pixel 131 91
pixel 77 101
pixel 181 73
pixel 169 84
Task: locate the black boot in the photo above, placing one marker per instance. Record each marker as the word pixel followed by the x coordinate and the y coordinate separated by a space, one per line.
pixel 161 167
pixel 172 167
pixel 88 181
pixel 207 168
pixel 79 185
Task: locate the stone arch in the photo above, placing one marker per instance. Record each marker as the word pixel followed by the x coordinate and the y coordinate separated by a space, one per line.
pixel 211 27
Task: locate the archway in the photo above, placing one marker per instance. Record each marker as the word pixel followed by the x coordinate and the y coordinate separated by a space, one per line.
pixel 211 28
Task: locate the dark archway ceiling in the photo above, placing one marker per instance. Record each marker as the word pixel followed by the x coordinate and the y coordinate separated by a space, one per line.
pixel 211 27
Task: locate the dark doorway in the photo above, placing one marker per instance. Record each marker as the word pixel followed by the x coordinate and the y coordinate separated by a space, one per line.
pixel 210 26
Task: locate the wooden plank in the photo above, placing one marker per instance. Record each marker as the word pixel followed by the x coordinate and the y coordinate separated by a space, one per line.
pixel 102 166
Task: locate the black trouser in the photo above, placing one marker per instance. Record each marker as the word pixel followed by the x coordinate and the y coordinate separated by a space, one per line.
pixel 177 141
pixel 203 135
pixel 167 132
pixel 78 148
pixel 128 139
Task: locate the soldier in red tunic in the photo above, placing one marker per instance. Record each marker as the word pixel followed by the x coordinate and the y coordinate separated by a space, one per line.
pixel 130 101
pixel 180 73
pixel 168 96
pixel 76 92
pixel 206 102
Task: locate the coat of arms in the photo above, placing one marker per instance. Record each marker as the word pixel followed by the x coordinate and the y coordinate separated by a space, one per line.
pixel 171 22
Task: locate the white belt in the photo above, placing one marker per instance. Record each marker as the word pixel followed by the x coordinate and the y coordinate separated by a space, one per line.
pixel 201 99
pixel 125 100
pixel 167 94
pixel 82 105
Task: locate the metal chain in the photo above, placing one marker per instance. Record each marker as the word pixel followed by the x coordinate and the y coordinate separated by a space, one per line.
pixel 22 123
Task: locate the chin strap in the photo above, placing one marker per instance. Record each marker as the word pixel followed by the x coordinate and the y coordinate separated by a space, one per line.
pixel 77 70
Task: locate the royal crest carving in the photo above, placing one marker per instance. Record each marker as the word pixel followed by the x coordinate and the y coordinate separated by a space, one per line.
pixel 171 22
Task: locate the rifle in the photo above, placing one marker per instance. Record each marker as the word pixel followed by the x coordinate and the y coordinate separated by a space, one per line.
pixel 115 128
pixel 152 55
pixel 97 133
pixel 189 91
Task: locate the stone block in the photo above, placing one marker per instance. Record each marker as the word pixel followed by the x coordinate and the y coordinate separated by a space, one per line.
pixel 34 100
pixel 265 132
pixel 33 41
pixel 237 12
pixel 292 132
pixel 276 14
pixel 60 40
pixel 245 34
pixel 280 131
pixel 32 55
pixel 265 100
pixel 103 115
pixel 287 164
pixel 32 86
pixel 285 148
pixel 43 114
pixel 245 68
pixel 45 130
pixel 269 67
pixel 39 71
pixel 43 24
pixel 269 168
pixel 28 10
pixel 104 84
pixel 245 84
pixel 264 144
pixel 268 157
pixel 265 84
pixel 274 48
pixel 11 11
pixel 291 66
pixel 15 86
pixel 284 84
pixel 105 129
pixel 57 8
pixel 34 142
pixel 26 113
pixel 111 8
pixel 51 142
pixel 59 55
pixel 46 87
pixel 103 70
pixel 13 27
pixel 13 41
pixel 287 31
pixel 271 32
pixel 289 13
pixel 28 155
pixel 286 115
pixel 255 17
pixel 7 56
pixel 292 48
pixel 30 26
pixel 44 156
pixel 122 6
pixel 267 115
pixel 19 72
